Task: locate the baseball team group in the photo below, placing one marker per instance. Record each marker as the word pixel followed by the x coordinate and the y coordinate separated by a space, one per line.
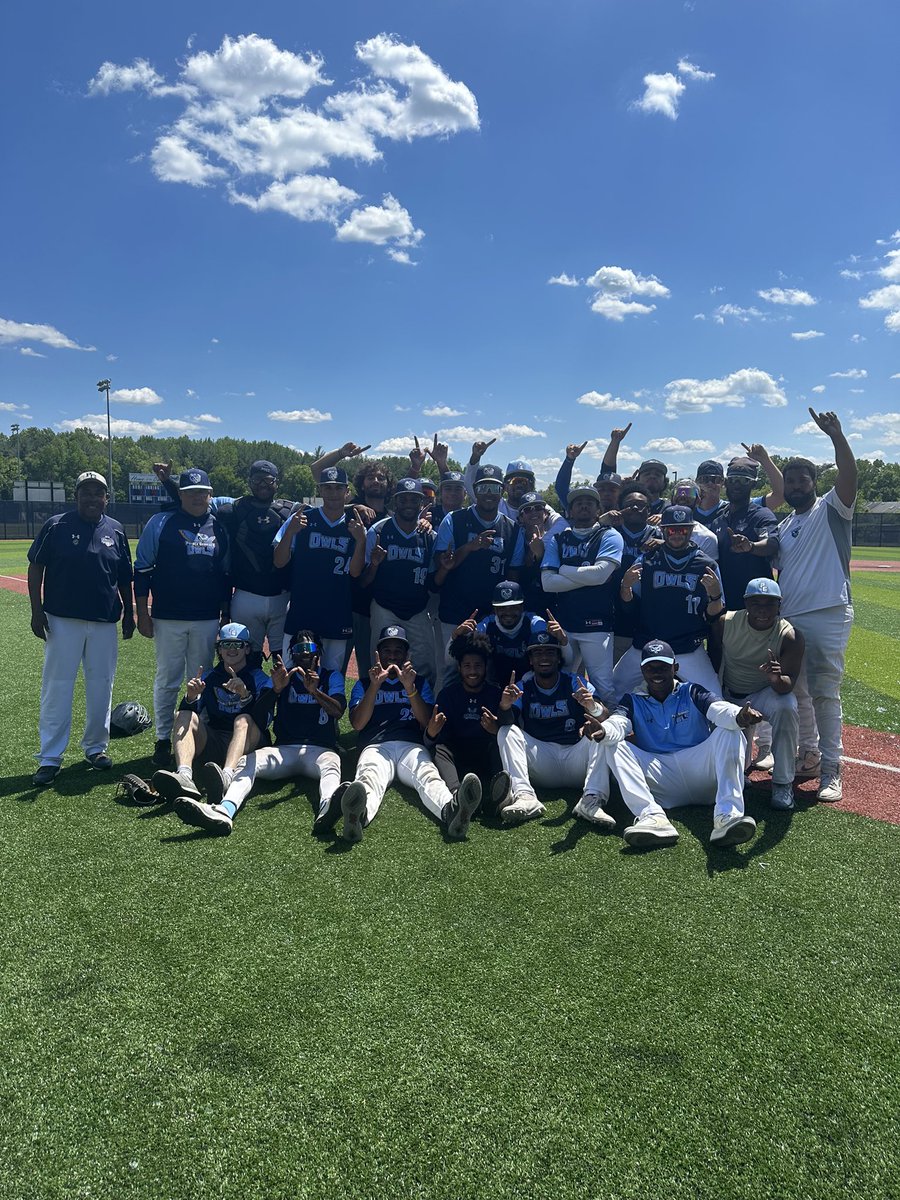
pixel 670 636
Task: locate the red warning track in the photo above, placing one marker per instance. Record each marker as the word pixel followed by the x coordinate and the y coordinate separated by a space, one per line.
pixel 14 583
pixel 873 564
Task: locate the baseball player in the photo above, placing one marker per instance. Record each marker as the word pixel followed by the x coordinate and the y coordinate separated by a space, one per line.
pixel 540 738
pixel 309 702
pixel 389 711
pixel 651 474
pixel 761 654
pixel 79 585
pixel 222 717
pixel 510 630
pixel 462 731
pixel 518 480
pixel 607 484
pixel 710 480
pixel 811 550
pixel 686 493
pixel 534 521
pixel 182 561
pixel 398 557
pixel 685 746
pixel 674 590
pixel 754 521
pixel 326 548
pixel 578 566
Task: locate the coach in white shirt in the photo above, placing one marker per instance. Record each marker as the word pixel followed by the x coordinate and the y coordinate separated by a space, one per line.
pixel 812 554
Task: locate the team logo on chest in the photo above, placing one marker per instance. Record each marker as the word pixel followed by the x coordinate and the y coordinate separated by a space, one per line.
pixel 76 538
pixel 106 540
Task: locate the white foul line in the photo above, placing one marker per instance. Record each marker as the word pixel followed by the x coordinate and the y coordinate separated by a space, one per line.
pixel 864 762
pixel 17 578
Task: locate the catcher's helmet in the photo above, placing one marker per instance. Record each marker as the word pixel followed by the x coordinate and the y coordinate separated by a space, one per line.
pixel 127 719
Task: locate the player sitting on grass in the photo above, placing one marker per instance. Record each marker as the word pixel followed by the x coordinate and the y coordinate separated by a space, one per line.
pixel 309 703
pixel 510 630
pixel 761 658
pixel 685 746
pixel 462 732
pixel 389 712
pixel 222 717
pixel 540 737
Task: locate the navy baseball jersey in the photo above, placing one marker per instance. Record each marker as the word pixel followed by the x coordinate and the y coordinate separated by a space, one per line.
pixel 401 581
pixel 471 585
pixel 584 609
pixel 321 597
pixel 551 716
pixel 84 566
pixel 707 516
pixel 625 620
pixel 755 523
pixel 670 600
pixel 183 561
pixel 509 646
pixel 393 719
pixel 463 712
pixel 219 707
pixel 677 723
pixel 299 718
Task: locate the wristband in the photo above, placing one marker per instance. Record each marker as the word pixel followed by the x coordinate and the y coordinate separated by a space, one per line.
pixel 414 692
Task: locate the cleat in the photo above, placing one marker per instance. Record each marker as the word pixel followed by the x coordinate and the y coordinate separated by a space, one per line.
pixel 523 806
pixel 203 816
pixel 99 761
pixel 215 782
pixel 353 805
pixel 463 807
pixel 45 775
pixel 651 830
pixel 590 808
pixel 172 786
pixel 808 766
pixel 731 831
pixel 162 752
pixel 782 796
pixel 329 811
pixel 830 788
pixel 500 790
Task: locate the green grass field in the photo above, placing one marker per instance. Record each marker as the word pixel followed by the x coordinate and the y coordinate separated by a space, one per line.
pixel 533 1013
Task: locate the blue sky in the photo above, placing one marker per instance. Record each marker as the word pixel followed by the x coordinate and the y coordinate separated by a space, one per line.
pixel 369 220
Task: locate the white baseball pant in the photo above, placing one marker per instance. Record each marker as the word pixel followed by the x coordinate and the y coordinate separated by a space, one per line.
pixel 182 647
pixel 92 645
pixel 378 766
pixel 530 761
pixel 780 712
pixel 818 688
pixel 694 667
pixel 595 652
pixel 420 632
pixel 263 616
pixel 285 762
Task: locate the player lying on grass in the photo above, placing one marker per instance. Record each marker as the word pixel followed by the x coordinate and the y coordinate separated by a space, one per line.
pixel 685 746
pixel 540 737
pixel 222 717
pixel 389 712
pixel 310 701
pixel 510 630
pixel 761 654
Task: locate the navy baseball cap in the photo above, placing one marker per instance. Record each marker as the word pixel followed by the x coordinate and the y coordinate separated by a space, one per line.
pixel 762 587
pixel 262 466
pixel 611 479
pixel 488 475
pixel 584 490
pixel 657 651
pixel 544 639
pixel 710 467
pixel 333 475
pixel 519 467
pixel 676 514
pixel 453 477
pixel 742 468
pixel 428 487
pixel 234 632
pixel 653 464
pixel 408 487
pixel 392 633
pixel 90 477
pixel 532 500
pixel 506 594
pixel 194 480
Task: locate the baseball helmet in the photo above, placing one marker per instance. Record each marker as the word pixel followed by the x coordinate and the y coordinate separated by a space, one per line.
pixel 127 719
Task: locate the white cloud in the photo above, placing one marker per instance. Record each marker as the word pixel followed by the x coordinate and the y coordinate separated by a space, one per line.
pixel 607 403
pixel 892 270
pixel 691 72
pixel 468 433
pixel 7 407
pixel 853 373
pixel 402 408
pixel 895 237
pixel 787 296
pixel 208 418
pixel 122 427
pixel 857 391
pixel 24 331
pixel 389 222
pixel 857 338
pixel 807 428
pixel 248 70
pixel 885 298
pixel 214 341
pixel 402 256
pixel 615 287
pixel 29 353
pixel 143 395
pixel 565 280
pixel 807 335
pixel 174 161
pixel 661 95
pixel 112 358
pixel 820 387
pixel 394 445
pixel 140 76
pixel 877 421
pixel 306 416
pixel 442 410
pixel 304 197
pixel 701 395
pixel 744 315
pixel 897 376
pixel 847 274
pixel 673 445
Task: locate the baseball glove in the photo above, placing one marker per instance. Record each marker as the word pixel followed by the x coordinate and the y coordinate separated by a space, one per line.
pixel 134 790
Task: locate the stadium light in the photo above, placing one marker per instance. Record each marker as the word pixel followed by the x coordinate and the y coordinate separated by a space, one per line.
pixel 103 386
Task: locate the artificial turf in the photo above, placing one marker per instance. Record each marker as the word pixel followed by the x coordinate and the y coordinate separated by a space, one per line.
pixel 535 1012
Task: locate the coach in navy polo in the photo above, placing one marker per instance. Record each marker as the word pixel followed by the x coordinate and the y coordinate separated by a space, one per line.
pixel 79 584
pixel 182 560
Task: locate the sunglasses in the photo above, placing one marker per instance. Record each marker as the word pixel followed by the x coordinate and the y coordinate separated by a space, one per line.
pixel 234 645
pixel 685 529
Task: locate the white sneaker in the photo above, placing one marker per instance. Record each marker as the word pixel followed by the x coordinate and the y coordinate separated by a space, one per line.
pixel 203 816
pixel 763 760
pixel 353 805
pixel 731 831
pixel 464 807
pixel 830 788
pixel 523 807
pixel 652 829
pixel 590 808
pixel 782 795
pixel 807 767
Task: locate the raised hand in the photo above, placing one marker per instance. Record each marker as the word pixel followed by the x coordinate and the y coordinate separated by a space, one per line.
pixel 489 722
pixel 583 694
pixel 756 451
pixel 436 724
pixel 424 523
pixel 573 450
pixel 511 693
pixel 281 676
pixel 417 457
pixel 195 687
pixel 468 626
pixel 350 449
pixel 298 521
pixel 379 554
pixel 447 560
pixel 162 471
pixel 535 547
pixel 555 629
pixel 408 676
pixel 593 729
pixel 748 716
pixel 827 421
pixel 739 543
pixel 378 674
pixel 632 575
pixel 440 452
pixel 709 581
pixel 478 449
pixel 356 527
pixel 619 435
pixel 771 668
pixel 236 685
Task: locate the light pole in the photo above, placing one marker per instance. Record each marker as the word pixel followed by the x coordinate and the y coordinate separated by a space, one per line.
pixel 15 431
pixel 103 386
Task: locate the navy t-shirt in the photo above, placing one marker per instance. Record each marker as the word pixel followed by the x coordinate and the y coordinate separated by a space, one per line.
pixel 321 593
pixel 299 718
pixel 463 712
pixel 551 716
pixel 401 581
pixel 183 561
pixel 219 707
pixel 585 609
pixel 393 719
pixel 84 566
pixel 755 523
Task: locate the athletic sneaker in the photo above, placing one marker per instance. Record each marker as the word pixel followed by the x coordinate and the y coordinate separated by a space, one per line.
pixel 463 807
pixel 650 830
pixel 523 806
pixel 99 761
pixel 215 782
pixel 590 808
pixel 353 805
pixel 204 816
pixel 500 790
pixel 731 831
pixel 162 752
pixel 171 786
pixel 807 767
pixel 764 760
pixel 830 788
pixel 45 775
pixel 782 795
pixel 329 812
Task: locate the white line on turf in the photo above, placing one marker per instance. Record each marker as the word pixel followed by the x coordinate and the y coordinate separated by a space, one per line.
pixel 17 578
pixel 864 762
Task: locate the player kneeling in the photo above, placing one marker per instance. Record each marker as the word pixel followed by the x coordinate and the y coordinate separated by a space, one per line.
pixel 389 712
pixel 540 737
pixel 687 748
pixel 222 717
